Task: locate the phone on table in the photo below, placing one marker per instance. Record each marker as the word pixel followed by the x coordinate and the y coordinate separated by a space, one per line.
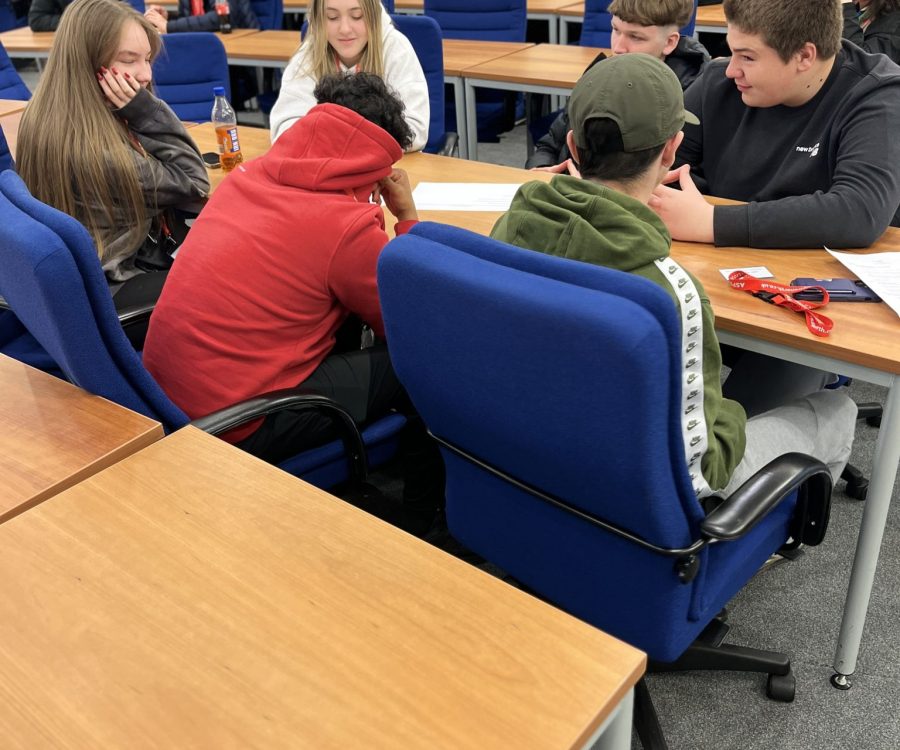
pixel 211 159
pixel 839 290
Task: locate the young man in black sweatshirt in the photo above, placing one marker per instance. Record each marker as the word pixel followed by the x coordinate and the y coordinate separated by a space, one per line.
pixel 798 123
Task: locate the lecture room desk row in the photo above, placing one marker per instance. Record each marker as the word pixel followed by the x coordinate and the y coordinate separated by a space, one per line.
pixel 175 591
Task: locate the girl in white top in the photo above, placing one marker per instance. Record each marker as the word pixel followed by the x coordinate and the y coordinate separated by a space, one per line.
pixel 349 36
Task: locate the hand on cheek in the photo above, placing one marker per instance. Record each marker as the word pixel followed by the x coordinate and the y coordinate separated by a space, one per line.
pixel 119 88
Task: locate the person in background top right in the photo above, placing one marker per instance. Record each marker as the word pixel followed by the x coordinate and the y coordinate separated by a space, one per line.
pixel 874 25
pixel 799 125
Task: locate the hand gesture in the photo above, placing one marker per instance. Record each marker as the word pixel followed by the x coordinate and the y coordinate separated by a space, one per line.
pixel 118 88
pixel 685 212
pixel 566 166
pixel 397 194
pixel 157 16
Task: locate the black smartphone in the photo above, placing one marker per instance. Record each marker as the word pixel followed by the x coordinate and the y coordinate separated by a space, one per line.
pixel 839 290
pixel 211 159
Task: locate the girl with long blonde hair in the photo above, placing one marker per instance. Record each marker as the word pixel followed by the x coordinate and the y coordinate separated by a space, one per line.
pixel 95 143
pixel 349 36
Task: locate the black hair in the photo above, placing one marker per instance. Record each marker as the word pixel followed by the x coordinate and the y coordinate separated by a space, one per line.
pixel 604 156
pixel 367 95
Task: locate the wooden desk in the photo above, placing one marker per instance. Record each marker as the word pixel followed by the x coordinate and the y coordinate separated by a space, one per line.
pixel 254 142
pixel 541 69
pixel 711 19
pixel 10 125
pixel 193 596
pixel 569 14
pixel 53 435
pixel 11 106
pixel 262 49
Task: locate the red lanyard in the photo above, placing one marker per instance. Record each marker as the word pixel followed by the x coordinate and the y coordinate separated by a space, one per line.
pixel 781 294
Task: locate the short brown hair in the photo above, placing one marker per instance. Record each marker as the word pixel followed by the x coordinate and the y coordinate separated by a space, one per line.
pixel 653 12
pixel 787 26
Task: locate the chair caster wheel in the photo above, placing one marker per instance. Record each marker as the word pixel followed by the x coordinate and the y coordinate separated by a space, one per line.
pixel 841 681
pixel 874 421
pixel 781 687
pixel 857 490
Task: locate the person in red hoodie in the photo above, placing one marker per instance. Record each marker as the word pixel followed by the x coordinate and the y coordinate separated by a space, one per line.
pixel 282 255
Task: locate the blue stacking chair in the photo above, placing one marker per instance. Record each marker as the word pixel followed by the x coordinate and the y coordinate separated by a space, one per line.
pixel 489 20
pixel 187 69
pixel 6 160
pixel 270 13
pixel 425 36
pixel 554 388
pixel 11 84
pixel 54 284
pixel 388 5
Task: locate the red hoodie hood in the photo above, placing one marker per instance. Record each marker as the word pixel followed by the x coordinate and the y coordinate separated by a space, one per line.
pixel 331 148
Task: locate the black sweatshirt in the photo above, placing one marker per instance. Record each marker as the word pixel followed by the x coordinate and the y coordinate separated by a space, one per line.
pixel 882 35
pixel 827 172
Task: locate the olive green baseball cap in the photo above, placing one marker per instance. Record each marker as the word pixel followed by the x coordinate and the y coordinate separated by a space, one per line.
pixel 638 92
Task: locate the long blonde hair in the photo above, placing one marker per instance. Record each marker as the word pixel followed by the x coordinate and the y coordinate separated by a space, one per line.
pixel 320 54
pixel 73 152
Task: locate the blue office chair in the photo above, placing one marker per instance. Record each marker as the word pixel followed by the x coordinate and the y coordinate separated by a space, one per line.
pixel 489 20
pixel 53 282
pixel 189 66
pixel 269 12
pixel 138 5
pixel 555 392
pixel 388 5
pixel 11 84
pixel 425 36
pixel 596 29
pixel 8 18
pixel 6 160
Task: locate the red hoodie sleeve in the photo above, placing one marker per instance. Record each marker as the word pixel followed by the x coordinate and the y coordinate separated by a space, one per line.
pixel 352 274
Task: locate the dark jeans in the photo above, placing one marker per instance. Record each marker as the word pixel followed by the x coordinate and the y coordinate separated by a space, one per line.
pixel 139 291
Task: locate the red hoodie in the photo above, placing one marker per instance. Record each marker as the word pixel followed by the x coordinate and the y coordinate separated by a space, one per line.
pixel 285 249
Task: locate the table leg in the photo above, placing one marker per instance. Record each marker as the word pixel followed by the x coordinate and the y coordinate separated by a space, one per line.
pixel 459 101
pixel 862 576
pixel 471 121
pixel 615 732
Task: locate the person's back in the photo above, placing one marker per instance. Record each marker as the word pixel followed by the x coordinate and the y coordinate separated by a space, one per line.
pixel 874 25
pixel 44 15
pixel 799 124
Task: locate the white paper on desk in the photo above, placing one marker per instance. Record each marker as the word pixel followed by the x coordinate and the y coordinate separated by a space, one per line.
pixel 879 271
pixel 464 196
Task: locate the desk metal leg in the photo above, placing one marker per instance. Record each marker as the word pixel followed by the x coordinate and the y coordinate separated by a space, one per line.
pixel 459 101
pixel 615 732
pixel 471 121
pixel 878 501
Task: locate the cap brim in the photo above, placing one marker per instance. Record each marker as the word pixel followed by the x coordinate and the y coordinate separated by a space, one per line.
pixel 691 118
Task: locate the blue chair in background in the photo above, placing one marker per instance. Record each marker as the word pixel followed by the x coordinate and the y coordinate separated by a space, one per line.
pixel 6 160
pixel 53 282
pixel 187 69
pixel 489 20
pixel 8 18
pixel 138 5
pixel 388 5
pixel 269 12
pixel 556 395
pixel 11 84
pixel 425 36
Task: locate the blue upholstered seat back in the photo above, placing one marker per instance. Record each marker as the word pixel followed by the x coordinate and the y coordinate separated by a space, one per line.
pixel 269 12
pixel 495 20
pixel 388 5
pixel 189 66
pixel 11 84
pixel 54 284
pixel 6 160
pixel 425 36
pixel 566 376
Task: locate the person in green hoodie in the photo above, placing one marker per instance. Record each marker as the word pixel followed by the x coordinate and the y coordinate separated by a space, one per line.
pixel 626 116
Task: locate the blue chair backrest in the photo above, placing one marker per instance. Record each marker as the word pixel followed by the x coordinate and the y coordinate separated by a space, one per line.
pixel 388 5
pixel 53 282
pixel 11 84
pixel 269 12
pixel 8 18
pixel 425 36
pixel 493 20
pixel 189 66
pixel 6 160
pixel 596 31
pixel 138 5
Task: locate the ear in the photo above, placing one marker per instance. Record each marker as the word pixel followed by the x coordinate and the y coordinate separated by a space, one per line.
pixel 573 149
pixel 805 57
pixel 671 42
pixel 670 148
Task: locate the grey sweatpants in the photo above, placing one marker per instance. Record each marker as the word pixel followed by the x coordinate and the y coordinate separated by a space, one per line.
pixel 821 424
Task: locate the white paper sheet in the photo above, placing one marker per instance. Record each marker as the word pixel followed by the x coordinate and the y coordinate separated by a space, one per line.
pixel 879 271
pixel 464 196
pixel 760 272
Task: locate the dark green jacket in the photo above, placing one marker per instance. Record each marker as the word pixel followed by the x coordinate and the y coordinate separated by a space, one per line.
pixel 586 221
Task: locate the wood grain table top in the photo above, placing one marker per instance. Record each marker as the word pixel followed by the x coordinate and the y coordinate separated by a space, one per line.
pixel 193 596
pixel 552 65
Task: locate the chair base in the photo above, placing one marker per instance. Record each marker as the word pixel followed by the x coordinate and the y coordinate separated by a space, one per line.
pixel 708 652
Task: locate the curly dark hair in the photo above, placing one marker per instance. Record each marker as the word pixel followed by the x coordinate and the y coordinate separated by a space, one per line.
pixel 368 95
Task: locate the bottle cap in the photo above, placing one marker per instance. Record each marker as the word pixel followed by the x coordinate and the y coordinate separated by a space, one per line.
pixel 218 91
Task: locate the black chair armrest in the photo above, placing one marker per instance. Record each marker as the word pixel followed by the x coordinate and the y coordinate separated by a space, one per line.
pixel 750 503
pixel 300 399
pixel 449 145
pixel 134 315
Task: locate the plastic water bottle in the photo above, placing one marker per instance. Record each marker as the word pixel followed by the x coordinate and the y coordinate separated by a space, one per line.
pixel 225 123
pixel 224 12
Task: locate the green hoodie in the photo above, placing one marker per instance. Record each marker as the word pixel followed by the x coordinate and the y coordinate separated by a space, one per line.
pixel 583 220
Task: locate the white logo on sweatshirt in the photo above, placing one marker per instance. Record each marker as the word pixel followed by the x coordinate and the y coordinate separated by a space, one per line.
pixel 811 150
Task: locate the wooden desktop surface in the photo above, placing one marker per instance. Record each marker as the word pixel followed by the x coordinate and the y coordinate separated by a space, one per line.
pixel 194 596
pixel 10 124
pixel 53 435
pixel 552 65
pixel 532 6
pixel 460 54
pixel 25 40
pixel 277 46
pixel 711 15
pixel 575 9
pixel 11 106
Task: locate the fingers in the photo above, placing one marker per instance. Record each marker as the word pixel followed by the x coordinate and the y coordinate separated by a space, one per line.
pixel 118 88
pixel 674 175
pixel 686 181
pixel 573 170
